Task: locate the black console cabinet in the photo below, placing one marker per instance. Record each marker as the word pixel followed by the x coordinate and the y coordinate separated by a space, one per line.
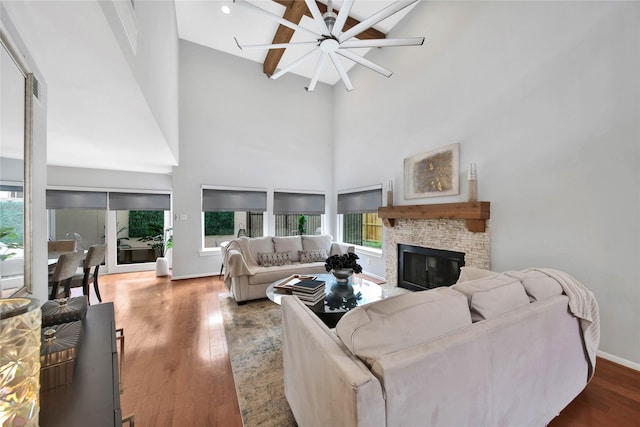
pixel 93 398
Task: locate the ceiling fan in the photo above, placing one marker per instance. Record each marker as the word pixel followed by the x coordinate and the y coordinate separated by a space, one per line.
pixel 332 41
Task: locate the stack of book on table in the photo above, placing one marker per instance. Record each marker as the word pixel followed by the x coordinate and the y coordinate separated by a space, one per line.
pixel 310 291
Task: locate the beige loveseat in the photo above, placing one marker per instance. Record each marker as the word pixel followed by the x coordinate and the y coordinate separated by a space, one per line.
pixel 252 264
pixel 501 350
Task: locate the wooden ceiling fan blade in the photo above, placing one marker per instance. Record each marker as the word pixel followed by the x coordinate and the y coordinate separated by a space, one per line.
pixel 408 41
pixel 364 62
pixel 343 14
pixel 374 19
pixel 276 18
pixel 275 45
pixel 341 71
pixel 317 16
pixel 293 65
pixel 316 73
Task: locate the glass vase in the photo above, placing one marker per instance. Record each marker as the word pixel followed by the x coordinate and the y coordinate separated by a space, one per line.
pixel 342 275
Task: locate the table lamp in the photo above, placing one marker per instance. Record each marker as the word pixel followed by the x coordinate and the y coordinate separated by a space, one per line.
pixel 20 321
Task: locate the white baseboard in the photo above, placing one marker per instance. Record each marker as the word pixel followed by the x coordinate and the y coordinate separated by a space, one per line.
pixel 619 360
pixel 194 276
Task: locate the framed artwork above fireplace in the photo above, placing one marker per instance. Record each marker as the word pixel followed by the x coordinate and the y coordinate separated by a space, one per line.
pixel 434 173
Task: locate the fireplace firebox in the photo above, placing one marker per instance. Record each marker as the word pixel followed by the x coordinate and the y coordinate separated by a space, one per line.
pixel 426 268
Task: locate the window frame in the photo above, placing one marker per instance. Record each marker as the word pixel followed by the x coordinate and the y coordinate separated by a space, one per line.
pixel 111 264
pixel 208 251
pixel 340 222
pixel 313 203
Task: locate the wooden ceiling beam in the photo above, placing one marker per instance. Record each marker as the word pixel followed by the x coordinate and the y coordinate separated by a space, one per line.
pixel 295 10
pixel 294 13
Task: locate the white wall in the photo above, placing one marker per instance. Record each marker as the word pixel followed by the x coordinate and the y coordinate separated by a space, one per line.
pixel 240 129
pixel 155 62
pixel 38 164
pixel 63 177
pixel 545 98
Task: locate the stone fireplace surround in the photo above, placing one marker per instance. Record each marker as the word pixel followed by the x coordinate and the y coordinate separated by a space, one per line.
pixel 448 234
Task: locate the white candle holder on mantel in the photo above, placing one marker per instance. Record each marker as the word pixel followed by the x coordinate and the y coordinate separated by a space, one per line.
pixel 473 183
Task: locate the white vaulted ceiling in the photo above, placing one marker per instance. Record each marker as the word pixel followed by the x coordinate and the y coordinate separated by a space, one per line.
pixel 98 116
pixel 203 22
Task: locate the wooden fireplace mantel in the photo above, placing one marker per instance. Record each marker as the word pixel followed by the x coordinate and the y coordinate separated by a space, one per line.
pixel 475 214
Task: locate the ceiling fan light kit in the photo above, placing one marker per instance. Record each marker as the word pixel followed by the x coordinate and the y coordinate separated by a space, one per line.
pixel 331 41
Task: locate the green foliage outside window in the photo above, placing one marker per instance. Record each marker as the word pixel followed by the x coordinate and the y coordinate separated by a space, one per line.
pixel 218 223
pixel 145 223
pixel 12 216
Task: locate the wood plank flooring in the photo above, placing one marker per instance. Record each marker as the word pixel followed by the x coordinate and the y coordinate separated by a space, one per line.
pixel 177 370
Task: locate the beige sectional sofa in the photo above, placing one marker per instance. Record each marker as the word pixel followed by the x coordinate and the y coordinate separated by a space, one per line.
pixel 499 350
pixel 252 264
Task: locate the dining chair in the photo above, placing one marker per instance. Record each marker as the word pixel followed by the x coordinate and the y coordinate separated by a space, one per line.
pixel 93 259
pixel 61 246
pixel 56 248
pixel 64 270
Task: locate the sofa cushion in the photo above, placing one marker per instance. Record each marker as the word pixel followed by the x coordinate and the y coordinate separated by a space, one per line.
pixel 473 273
pixel 401 322
pixel 322 241
pixel 491 296
pixel 538 285
pixel 260 244
pixel 267 275
pixel 315 255
pixel 285 244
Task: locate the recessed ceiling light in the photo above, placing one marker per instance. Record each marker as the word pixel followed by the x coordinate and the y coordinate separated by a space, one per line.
pixel 225 9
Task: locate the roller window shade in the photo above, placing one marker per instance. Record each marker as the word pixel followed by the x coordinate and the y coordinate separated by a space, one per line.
pixel 11 188
pixel 298 203
pixel 139 202
pixel 360 201
pixel 234 201
pixel 63 199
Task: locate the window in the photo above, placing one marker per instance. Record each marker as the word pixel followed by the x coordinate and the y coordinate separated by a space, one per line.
pixel 77 215
pixel 298 213
pixel 362 229
pixel 11 238
pixel 139 218
pixel 227 214
pixel 361 225
pixel 142 223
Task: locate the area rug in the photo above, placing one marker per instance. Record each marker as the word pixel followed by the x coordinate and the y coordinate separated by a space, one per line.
pixel 254 341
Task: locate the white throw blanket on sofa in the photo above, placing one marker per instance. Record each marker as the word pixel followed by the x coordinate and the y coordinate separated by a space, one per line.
pixel 584 306
pixel 241 245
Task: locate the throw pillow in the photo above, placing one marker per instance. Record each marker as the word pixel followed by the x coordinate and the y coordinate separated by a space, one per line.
pixel 316 255
pixel 538 285
pixel 492 296
pixel 271 259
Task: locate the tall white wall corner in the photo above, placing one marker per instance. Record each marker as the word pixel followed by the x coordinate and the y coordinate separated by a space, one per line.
pixel 127 15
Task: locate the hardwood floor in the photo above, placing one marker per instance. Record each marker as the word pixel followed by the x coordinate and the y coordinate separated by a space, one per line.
pixel 612 398
pixel 177 370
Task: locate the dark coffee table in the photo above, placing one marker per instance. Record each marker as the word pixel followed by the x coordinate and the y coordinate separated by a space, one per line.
pixel 338 298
